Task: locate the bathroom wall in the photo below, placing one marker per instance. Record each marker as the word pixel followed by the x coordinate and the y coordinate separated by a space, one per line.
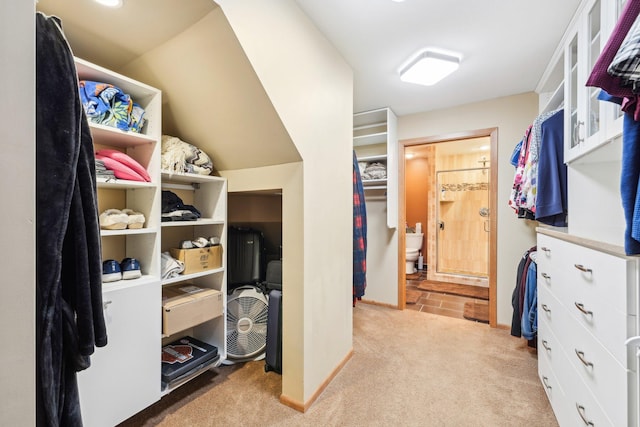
pixel 418 184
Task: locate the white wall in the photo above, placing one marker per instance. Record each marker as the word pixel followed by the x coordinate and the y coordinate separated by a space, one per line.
pixel 382 255
pixel 17 184
pixel 511 115
pixel 311 88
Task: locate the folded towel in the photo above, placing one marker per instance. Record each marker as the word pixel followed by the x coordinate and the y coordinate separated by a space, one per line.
pixel 170 266
pixel 182 157
pixel 125 160
pixel 108 105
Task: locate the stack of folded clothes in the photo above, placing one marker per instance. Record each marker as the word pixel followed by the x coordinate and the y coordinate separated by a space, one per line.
pixel 108 105
pixel 375 170
pixel 122 165
pixel 174 209
pixel 102 171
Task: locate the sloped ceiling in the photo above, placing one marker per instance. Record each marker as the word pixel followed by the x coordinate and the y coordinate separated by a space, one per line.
pixel 212 98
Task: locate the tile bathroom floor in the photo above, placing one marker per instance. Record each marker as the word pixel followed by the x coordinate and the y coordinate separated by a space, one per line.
pixel 437 303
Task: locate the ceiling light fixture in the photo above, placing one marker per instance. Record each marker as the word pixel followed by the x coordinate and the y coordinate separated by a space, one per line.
pixel 110 3
pixel 429 67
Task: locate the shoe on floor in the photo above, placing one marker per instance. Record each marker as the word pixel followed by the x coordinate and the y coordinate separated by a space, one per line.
pixel 134 219
pixel 130 268
pixel 111 271
pixel 113 219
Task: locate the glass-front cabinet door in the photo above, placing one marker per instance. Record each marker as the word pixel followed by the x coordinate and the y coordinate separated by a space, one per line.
pixel 594 47
pixel 571 114
pixel 590 120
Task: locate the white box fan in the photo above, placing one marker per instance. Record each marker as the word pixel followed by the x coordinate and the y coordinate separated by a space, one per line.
pixel 247 309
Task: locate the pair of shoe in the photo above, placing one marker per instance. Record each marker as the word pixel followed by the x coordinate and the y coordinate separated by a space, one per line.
pixel 116 219
pixel 112 271
pixel 200 242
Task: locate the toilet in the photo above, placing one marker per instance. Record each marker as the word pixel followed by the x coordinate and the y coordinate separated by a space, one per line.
pixel 412 249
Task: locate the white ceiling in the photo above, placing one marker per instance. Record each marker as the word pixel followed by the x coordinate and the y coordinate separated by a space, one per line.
pixel 505 44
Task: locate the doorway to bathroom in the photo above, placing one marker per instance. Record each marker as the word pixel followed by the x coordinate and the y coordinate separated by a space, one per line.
pixel 448 189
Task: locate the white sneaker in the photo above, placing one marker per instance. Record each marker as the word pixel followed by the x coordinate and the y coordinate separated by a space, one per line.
pixel 113 219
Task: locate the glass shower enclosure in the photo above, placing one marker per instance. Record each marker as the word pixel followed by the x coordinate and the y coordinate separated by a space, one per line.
pixel 463 222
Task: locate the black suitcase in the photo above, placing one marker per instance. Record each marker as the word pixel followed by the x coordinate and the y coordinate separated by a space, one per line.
pixel 245 257
pixel 273 279
pixel 273 353
pixel 185 356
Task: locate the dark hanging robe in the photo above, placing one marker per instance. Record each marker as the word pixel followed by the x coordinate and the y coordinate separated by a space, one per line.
pixel 70 320
pixel 359 235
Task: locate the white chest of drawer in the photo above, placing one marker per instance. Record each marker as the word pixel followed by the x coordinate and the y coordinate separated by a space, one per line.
pixel 587 309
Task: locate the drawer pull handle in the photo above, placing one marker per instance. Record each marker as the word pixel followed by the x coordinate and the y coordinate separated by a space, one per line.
pixel 105 304
pixel 545 381
pixel 546 308
pixel 581 411
pixel 545 275
pixel 582 268
pixel 583 310
pixel 545 344
pixel 584 361
pixel 545 249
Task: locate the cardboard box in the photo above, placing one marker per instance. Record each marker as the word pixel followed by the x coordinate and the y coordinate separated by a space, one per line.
pixel 185 305
pixel 199 259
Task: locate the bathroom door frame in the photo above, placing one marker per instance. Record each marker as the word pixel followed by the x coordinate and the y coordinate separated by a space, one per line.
pixel 492 134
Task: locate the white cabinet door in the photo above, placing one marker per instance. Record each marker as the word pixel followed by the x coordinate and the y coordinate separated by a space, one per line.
pixel 590 123
pixel 124 376
pixel 584 124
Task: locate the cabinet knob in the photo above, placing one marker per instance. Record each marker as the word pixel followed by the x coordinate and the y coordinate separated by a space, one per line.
pixel 545 275
pixel 546 308
pixel 105 304
pixel 545 344
pixel 545 381
pixel 545 250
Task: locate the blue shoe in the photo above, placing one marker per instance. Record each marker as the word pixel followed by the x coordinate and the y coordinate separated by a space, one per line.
pixel 130 268
pixel 111 271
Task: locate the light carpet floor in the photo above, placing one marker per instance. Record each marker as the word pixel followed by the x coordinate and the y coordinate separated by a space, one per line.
pixel 408 369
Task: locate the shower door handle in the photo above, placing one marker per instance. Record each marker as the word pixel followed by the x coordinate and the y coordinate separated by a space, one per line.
pixel 486 225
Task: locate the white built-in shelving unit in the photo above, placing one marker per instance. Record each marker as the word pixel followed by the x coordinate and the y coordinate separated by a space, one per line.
pixel 375 140
pixel 125 376
pixel 209 195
